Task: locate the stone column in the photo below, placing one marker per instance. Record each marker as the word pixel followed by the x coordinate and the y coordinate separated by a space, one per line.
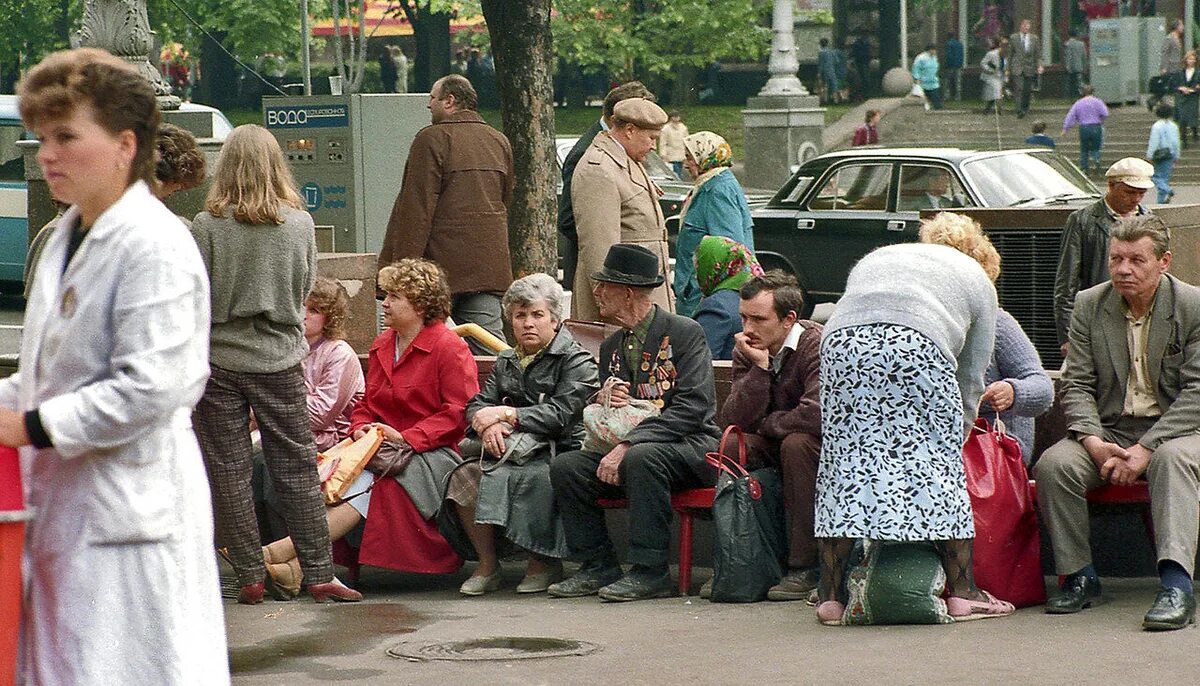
pixel 783 123
pixel 121 27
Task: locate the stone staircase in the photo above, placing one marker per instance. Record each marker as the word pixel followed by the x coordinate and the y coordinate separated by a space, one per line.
pixel 1125 132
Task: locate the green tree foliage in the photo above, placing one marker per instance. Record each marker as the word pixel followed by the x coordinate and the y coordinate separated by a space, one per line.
pixel 247 28
pixel 33 28
pixel 636 38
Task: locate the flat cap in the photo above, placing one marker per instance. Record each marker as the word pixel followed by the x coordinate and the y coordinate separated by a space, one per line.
pixel 1131 171
pixel 641 113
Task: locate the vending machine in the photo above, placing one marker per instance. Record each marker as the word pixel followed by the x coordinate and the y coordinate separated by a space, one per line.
pixel 347 153
pixel 1115 58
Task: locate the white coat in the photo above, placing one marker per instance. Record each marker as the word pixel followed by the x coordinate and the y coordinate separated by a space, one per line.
pixel 121 583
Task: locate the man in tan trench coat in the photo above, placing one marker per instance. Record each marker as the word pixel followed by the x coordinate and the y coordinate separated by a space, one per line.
pixel 616 202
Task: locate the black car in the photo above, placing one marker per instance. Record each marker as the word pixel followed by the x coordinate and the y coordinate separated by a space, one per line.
pixel 839 206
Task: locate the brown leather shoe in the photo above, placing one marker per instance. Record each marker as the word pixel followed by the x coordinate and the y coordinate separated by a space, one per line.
pixel 251 594
pixel 334 590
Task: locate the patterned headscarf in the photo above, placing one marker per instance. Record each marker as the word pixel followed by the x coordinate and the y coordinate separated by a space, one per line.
pixel 709 150
pixel 724 264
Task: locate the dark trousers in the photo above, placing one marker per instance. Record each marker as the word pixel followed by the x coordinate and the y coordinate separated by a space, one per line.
pixel 953 80
pixel 649 472
pixel 934 95
pixel 797 457
pixel 1091 139
pixel 1024 87
pixel 222 424
pixel 1074 84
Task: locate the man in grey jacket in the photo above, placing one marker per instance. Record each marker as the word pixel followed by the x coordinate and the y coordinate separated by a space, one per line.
pixel 1024 64
pixel 1083 252
pixel 1074 57
pixel 663 358
pixel 1131 397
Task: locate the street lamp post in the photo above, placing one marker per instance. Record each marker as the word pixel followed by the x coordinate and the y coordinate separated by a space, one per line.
pixel 783 64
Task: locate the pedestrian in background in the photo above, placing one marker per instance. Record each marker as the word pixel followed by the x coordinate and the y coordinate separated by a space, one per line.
pixel 841 66
pixel 954 64
pixel 121 582
pixel 991 76
pixel 1038 136
pixel 716 206
pixel 867 132
pixel 670 142
pixel 860 51
pixel 387 70
pixel 568 236
pixel 828 71
pixel 1074 57
pixel 401 68
pixel 1024 65
pixel 1187 85
pixel 1089 113
pixel 1170 60
pixel 925 73
pixel 260 251
pixel 1162 151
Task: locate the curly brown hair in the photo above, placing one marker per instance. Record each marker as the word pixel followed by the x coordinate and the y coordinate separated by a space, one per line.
pixel 119 97
pixel 330 299
pixel 179 158
pixel 422 283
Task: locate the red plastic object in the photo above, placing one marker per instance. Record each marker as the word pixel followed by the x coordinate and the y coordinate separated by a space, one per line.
pixel 12 540
pixel 686 504
pixel 1007 551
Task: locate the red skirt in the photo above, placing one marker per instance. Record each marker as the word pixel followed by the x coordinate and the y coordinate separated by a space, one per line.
pixel 395 536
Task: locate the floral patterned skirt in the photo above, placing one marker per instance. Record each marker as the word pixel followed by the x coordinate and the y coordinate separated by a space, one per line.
pixel 891 451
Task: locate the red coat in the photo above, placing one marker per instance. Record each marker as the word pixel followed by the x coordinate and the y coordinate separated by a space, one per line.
pixel 424 396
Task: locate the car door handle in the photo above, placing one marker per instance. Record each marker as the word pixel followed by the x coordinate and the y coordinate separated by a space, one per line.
pixel 806 223
pixel 895 225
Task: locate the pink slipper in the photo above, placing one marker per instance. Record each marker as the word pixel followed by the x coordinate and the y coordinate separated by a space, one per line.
pixel 964 610
pixel 830 613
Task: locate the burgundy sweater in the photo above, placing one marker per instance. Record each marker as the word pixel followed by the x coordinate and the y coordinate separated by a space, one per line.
pixel 775 406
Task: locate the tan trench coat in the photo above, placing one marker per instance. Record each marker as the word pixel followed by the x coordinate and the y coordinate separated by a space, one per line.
pixel 614 202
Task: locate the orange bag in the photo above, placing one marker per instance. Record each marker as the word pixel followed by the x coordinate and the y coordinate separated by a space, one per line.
pixel 343 463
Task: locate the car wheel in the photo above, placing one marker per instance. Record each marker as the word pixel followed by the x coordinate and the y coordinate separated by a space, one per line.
pixel 769 261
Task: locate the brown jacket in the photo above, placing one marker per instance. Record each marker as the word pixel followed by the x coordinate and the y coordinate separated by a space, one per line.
pixel 775 406
pixel 453 204
pixel 614 202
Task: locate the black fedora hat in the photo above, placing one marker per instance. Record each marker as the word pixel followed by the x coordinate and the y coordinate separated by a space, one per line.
pixel 630 265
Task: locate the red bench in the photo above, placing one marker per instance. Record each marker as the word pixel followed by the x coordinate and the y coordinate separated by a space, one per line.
pixel 1137 493
pixel 686 504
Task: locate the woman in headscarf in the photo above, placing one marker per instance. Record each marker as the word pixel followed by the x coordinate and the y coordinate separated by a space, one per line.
pixel 722 266
pixel 715 207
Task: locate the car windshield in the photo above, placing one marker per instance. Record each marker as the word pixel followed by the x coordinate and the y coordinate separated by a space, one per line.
pixel 1027 178
pixel 657 168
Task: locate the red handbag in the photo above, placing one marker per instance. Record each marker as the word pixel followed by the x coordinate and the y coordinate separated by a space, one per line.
pixel 1008 558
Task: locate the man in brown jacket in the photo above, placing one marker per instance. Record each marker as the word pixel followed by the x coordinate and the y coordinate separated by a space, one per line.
pixel 616 202
pixel 453 204
pixel 776 400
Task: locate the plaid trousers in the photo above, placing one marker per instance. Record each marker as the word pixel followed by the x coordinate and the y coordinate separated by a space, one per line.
pixel 222 421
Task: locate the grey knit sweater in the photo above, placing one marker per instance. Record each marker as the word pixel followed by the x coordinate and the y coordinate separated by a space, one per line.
pixel 260 276
pixel 932 289
pixel 1016 361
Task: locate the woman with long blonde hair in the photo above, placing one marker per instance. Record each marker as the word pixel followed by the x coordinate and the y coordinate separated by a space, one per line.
pixel 260 250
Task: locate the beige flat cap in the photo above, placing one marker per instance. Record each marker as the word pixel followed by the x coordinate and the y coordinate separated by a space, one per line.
pixel 1132 172
pixel 641 113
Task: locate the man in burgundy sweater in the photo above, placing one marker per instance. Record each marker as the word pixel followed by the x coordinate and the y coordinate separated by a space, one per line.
pixel 776 400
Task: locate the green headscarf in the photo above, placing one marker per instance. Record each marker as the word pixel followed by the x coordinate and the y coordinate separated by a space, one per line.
pixel 724 264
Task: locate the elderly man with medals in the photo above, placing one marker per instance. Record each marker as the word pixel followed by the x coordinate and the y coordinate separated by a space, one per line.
pixel 663 358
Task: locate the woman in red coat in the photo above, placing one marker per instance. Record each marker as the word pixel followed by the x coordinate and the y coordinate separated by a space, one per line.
pixel 419 379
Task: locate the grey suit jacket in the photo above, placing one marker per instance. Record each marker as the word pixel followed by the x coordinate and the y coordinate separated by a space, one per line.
pixel 1097 368
pixel 1023 62
pixel 1074 56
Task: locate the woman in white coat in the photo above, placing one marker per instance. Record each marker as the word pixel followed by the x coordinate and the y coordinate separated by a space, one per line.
pixel 121 581
pixel 991 74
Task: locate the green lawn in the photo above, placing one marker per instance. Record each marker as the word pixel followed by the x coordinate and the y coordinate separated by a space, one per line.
pixel 725 120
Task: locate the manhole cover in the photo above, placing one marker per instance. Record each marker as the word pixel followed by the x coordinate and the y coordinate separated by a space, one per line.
pixel 494 648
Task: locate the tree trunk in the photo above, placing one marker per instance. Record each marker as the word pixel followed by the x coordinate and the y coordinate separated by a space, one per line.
pixel 218 74
pixel 524 55
pixel 431 31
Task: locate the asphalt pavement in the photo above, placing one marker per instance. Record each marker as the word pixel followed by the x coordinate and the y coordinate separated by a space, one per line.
pixel 688 641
